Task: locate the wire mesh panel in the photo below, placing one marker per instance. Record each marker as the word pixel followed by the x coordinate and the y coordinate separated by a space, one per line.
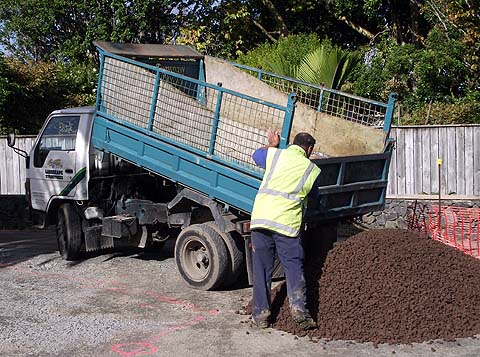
pixel 222 123
pixel 242 127
pixel 127 91
pixel 353 109
pixel 179 116
pixel 325 100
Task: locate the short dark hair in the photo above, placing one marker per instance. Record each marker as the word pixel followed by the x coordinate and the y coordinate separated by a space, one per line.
pixel 305 140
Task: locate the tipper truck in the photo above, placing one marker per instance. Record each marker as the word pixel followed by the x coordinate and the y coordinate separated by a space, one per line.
pixel 166 152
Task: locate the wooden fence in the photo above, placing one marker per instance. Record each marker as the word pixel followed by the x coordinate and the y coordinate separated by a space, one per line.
pixel 413 170
pixel 12 166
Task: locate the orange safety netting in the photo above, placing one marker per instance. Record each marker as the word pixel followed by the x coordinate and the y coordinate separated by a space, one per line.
pixel 458 227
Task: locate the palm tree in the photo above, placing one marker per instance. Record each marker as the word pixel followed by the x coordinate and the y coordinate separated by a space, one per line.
pixel 328 66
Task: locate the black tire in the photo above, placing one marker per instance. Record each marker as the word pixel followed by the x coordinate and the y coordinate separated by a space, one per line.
pixel 201 257
pixel 235 253
pixel 69 232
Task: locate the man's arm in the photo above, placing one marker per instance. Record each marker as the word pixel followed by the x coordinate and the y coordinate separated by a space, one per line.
pixel 260 155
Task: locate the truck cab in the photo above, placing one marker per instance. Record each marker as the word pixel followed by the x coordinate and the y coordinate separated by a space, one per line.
pixel 57 168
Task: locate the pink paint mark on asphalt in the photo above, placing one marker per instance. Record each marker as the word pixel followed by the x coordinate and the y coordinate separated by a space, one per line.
pixel 147 347
pixel 136 348
pixel 186 304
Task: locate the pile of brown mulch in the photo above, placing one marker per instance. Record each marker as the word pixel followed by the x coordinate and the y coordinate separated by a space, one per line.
pixel 387 286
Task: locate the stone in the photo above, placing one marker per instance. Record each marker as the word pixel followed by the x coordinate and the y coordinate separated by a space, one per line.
pixel 368 219
pixel 391 224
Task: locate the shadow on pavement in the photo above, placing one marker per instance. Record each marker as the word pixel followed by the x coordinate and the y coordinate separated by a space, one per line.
pixel 17 246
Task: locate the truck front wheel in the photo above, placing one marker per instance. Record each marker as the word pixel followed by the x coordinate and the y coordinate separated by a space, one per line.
pixel 69 232
pixel 201 257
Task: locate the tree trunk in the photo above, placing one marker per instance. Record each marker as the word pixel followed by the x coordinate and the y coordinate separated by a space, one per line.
pixel 281 25
pixel 361 30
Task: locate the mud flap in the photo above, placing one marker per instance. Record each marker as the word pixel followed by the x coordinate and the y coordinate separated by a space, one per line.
pixel 95 241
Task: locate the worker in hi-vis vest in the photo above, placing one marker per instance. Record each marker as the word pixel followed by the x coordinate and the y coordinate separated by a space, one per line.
pixel 276 224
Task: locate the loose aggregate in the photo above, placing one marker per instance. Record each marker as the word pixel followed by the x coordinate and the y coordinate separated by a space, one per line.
pixel 387 286
pixel 134 303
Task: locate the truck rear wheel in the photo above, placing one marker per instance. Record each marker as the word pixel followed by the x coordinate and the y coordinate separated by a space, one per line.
pixel 201 257
pixel 69 232
pixel 235 254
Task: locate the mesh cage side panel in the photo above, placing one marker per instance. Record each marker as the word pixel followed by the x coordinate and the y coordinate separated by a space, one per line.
pixel 336 104
pixel 242 128
pixel 179 116
pixel 127 91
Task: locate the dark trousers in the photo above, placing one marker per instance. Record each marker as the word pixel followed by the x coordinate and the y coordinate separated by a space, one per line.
pixel 290 252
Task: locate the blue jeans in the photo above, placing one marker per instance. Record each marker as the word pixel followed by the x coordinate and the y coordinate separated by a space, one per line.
pixel 290 252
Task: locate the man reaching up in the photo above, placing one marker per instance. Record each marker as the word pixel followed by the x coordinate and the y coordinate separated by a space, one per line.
pixel 276 224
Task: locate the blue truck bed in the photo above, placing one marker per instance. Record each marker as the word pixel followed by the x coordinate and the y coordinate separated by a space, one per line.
pixel 202 135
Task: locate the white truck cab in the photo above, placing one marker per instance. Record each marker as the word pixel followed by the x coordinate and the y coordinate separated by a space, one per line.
pixel 59 160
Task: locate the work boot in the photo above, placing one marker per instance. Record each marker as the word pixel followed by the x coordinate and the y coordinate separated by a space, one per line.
pixel 261 320
pixel 303 319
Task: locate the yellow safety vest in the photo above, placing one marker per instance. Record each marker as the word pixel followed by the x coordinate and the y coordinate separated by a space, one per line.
pixel 289 177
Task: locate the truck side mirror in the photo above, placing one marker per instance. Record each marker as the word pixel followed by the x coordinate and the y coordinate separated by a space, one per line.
pixel 11 143
pixel 11 140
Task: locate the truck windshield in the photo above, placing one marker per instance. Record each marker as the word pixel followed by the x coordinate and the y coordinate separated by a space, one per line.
pixel 60 135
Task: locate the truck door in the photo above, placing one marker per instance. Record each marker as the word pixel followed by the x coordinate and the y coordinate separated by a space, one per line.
pixel 52 168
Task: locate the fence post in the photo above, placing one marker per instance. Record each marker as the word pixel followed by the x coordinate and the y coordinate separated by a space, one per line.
pixel 98 100
pixel 439 163
pixel 320 101
pixel 201 89
pixel 259 74
pixel 153 104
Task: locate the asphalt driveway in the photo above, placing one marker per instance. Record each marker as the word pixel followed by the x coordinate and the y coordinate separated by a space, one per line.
pixel 134 303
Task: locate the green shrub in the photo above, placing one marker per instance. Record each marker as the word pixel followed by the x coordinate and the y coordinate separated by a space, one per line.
pixel 29 91
pixel 291 49
pixel 460 112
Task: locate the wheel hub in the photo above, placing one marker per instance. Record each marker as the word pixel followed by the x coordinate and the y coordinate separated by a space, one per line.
pixel 201 257
pixel 196 259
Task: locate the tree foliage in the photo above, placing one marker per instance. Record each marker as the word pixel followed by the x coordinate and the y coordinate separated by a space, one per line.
pixel 287 51
pixel 327 65
pixel 233 28
pixel 459 20
pixel 62 30
pixel 306 58
pixel 29 92
pixel 427 51
pixel 401 20
pixel 439 71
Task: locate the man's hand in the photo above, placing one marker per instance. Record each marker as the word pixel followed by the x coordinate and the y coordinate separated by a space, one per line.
pixel 273 138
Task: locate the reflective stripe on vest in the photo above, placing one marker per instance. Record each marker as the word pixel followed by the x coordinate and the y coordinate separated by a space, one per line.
pixel 289 196
pixel 287 200
pixel 267 222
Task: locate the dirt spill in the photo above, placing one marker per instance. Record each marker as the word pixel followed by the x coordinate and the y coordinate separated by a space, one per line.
pixel 387 286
